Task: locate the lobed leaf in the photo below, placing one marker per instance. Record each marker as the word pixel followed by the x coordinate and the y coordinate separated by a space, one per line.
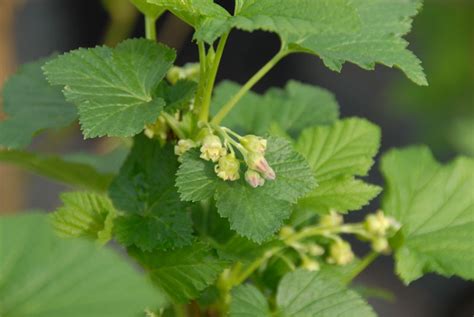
pixel 294 108
pixel 114 89
pixel 255 213
pixel 435 205
pixel 336 154
pixel 32 105
pixel 154 216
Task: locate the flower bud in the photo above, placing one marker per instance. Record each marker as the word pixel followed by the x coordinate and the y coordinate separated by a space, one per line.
pixel 183 146
pixel 157 130
pixel 310 265
pixel 253 143
pixel 333 219
pixel 228 168
pixel 380 245
pixel 211 149
pixel 254 179
pixel 377 224
pixel 174 74
pixel 315 249
pixel 257 162
pixel 340 253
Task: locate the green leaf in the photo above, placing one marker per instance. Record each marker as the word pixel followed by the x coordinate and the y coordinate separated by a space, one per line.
pixel 84 214
pixel 297 17
pixel 155 217
pixel 336 154
pixel 248 301
pixel 435 205
pixel 341 194
pixel 363 32
pixel 148 9
pixel 182 273
pixel 113 88
pixel 346 148
pixel 208 18
pixel 315 294
pixel 378 40
pixel 45 276
pixel 32 105
pixel 196 179
pixel 296 107
pixel 255 213
pixel 178 96
pixel 55 168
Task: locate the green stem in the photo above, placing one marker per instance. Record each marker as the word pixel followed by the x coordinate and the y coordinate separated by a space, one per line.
pixel 211 78
pixel 362 265
pixel 174 125
pixel 150 28
pixel 248 85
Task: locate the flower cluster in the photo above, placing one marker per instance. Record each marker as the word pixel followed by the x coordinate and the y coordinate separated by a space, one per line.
pixel 380 228
pixel 229 150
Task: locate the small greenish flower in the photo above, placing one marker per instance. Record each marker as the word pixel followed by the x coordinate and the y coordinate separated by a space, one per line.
pixel 228 168
pixel 158 130
pixel 315 249
pixel 183 146
pixel 340 253
pixel 212 149
pixel 310 264
pixel 380 245
pixel 253 143
pixel 333 219
pixel 378 224
pixel 257 162
pixel 254 178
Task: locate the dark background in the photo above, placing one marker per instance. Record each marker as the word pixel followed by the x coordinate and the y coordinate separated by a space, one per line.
pixel 441 116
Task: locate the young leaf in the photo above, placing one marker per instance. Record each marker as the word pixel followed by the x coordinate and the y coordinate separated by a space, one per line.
pixel 313 294
pixel 435 206
pixel 155 217
pixel 84 215
pixel 296 107
pixel 45 276
pixel 255 213
pixel 182 273
pixel 58 169
pixel 32 105
pixel 113 88
pixel 248 301
pixel 337 154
